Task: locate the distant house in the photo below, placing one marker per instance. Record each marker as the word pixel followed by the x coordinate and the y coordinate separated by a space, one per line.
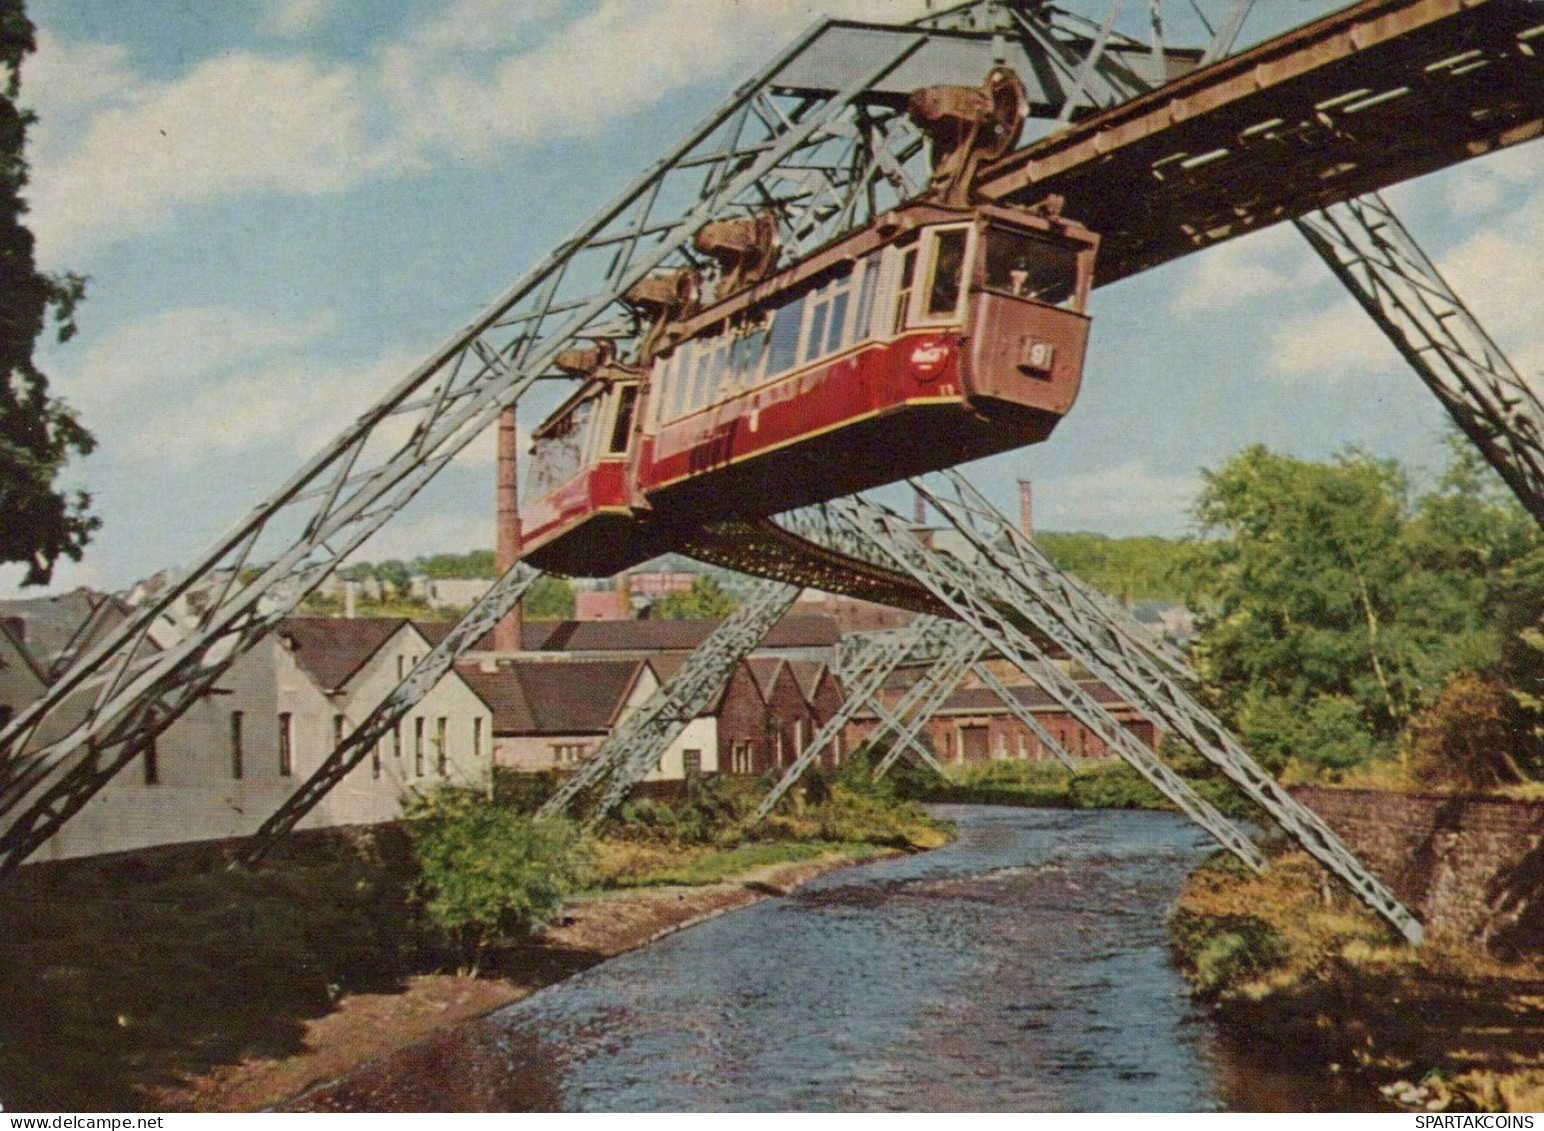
pixel 974 725
pixel 238 753
pixel 803 637
pixel 790 721
pixel 57 630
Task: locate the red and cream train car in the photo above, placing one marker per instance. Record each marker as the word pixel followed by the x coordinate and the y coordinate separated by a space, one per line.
pixel 931 337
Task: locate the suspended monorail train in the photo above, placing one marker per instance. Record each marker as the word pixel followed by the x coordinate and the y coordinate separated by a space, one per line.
pixel 943 331
pixel 931 337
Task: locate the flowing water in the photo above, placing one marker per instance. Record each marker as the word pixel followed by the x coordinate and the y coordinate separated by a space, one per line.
pixel 1023 967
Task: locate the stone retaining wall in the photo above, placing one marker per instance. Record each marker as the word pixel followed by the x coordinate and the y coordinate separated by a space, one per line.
pixel 1471 868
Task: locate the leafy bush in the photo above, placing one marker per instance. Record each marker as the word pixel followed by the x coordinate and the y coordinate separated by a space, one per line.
pixel 1218 952
pixel 1463 739
pixel 489 872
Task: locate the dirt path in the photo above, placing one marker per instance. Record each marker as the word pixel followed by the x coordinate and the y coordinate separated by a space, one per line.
pixel 364 1027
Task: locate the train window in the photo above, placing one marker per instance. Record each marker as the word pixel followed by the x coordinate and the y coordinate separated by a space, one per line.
pixel 745 358
pixel 627 399
pixel 1023 265
pixel 558 453
pixel 783 341
pixel 943 294
pixel 861 324
pixel 907 277
pixel 677 378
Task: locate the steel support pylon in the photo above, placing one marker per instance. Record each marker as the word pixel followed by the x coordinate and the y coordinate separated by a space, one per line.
pixel 1383 267
pixel 639 741
pixel 1034 600
pixel 924 697
pixel 889 539
pixel 479 620
pixel 1024 715
pixel 869 674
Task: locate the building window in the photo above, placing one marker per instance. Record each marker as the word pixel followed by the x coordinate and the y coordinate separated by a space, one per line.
pixel 152 763
pixel 798 736
pixel 337 731
pixel 286 744
pixel 740 757
pixel 567 753
pixel 396 740
pixel 418 747
pixel 236 745
pixel 401 667
pixel 441 747
pixel 477 740
pixel 375 760
pixel 691 763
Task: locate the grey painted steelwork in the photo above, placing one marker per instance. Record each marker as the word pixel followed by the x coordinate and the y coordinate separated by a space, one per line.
pixel 819 136
pixel 1024 715
pixel 871 672
pixel 1017 575
pixel 638 743
pixel 847 669
pixel 1384 268
pixel 867 530
pixel 127 691
pixel 479 620
pixel 923 698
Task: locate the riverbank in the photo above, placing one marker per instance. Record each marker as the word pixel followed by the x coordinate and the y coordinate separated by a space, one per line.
pixel 1298 974
pixel 166 979
pixel 365 1027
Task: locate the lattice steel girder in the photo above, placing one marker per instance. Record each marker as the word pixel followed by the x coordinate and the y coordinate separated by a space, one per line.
pixel 924 697
pixel 1024 715
pixel 638 743
pixel 1384 268
pixel 486 612
pixel 1378 93
pixel 856 522
pixel 1137 679
pixel 874 670
pixel 895 720
pixel 369 473
pixel 985 528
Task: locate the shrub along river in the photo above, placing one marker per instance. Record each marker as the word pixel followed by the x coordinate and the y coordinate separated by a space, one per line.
pixel 1023 967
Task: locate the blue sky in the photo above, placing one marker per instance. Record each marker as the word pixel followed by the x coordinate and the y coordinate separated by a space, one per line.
pixel 283 208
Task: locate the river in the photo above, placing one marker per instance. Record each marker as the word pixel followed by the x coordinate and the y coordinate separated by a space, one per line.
pixel 1023 967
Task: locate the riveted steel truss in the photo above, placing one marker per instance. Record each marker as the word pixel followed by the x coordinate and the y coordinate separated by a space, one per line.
pixel 818 137
pixel 1012 607
pixel 862 686
pixel 1383 267
pixel 1024 715
pixel 866 531
pixel 639 741
pixel 925 696
pixel 479 620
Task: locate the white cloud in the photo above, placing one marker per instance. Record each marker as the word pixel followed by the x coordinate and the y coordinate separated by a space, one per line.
pixel 238 123
pixel 1126 499
pixel 293 17
pixel 121 151
pixel 1245 271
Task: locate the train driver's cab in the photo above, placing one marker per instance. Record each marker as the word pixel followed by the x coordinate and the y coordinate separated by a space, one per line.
pixel 593 426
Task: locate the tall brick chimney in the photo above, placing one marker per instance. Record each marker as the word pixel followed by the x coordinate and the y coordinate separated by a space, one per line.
pixel 921 511
pixel 1026 509
pixel 506 634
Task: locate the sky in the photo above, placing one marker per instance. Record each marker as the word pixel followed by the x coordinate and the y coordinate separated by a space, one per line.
pixel 282 209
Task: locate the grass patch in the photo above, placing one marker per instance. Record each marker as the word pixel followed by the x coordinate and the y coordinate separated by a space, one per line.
pixel 628 865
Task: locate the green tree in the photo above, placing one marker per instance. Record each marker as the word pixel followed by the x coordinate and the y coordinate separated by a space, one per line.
pixel 38 432
pixel 549 598
pixel 705 599
pixel 477 564
pixel 488 872
pixel 1309 586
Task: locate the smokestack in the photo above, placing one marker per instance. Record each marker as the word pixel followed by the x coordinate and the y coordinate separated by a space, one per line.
pixel 506 634
pixel 1026 509
pixel 921 510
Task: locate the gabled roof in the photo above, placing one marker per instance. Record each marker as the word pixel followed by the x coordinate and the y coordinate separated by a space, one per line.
pixel 666 664
pixel 767 670
pixel 551 697
pixel 51 624
pixel 808 674
pixel 665 635
pixel 331 650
